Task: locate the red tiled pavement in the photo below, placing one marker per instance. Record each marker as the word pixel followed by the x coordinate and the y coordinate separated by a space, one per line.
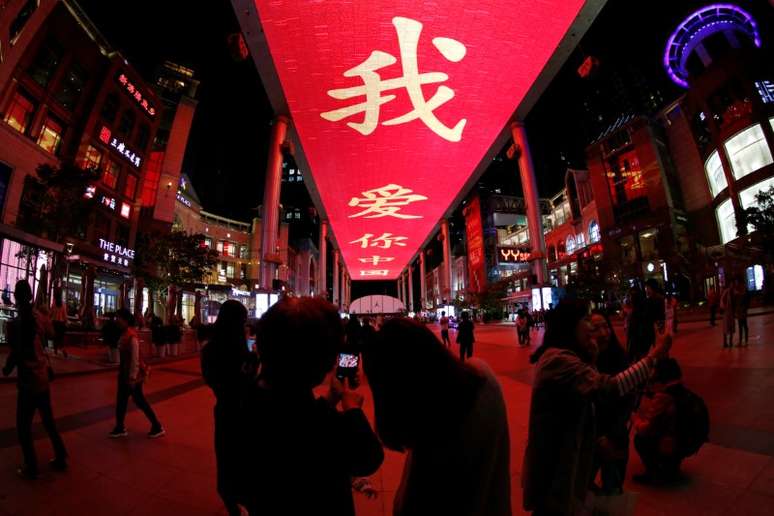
pixel 734 474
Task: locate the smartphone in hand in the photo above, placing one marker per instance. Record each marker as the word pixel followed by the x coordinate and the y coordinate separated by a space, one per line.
pixel 346 367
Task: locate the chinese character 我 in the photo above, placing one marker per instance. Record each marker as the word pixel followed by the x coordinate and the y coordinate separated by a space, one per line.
pixel 412 80
pixel 385 241
pixel 385 201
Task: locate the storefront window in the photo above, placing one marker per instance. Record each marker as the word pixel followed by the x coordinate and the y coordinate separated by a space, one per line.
pixel 244 253
pixel 50 135
pixel 748 151
pixel 18 23
pixel 747 196
pixel 110 174
pixel 628 250
pixel 45 63
pixel 714 169
pixel 72 87
pixel 570 244
pixel 106 293
pixel 648 244
pixel 110 107
pixel 594 233
pixel 130 188
pixel 91 159
pixel 126 123
pixel 20 111
pixel 726 221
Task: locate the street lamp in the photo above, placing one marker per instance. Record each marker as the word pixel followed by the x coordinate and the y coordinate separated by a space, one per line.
pixel 69 251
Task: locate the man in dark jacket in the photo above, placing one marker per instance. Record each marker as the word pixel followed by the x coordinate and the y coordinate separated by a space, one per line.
pixel 304 450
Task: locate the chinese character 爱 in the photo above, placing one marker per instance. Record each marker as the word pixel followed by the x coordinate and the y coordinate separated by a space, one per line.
pixel 385 201
pixel 412 80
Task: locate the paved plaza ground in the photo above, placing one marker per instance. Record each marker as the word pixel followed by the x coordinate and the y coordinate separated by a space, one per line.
pixel 733 474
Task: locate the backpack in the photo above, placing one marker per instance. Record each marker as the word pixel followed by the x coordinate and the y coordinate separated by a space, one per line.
pixel 693 421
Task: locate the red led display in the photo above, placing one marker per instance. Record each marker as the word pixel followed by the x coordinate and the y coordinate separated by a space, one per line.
pixel 396 102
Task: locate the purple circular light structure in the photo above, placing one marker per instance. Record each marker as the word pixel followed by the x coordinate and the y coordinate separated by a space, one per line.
pixel 699 25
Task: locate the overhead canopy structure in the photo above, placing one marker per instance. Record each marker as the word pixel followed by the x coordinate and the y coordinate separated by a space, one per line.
pixel 399 105
pixel 376 304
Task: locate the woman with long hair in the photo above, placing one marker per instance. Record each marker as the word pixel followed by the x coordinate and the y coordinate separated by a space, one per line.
pixel 448 416
pixel 226 367
pixel 558 461
pixel 27 334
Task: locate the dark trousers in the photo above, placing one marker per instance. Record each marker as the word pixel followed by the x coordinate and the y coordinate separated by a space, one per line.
pixel 743 330
pixel 26 406
pixel 125 390
pixel 445 337
pixel 713 314
pixel 466 350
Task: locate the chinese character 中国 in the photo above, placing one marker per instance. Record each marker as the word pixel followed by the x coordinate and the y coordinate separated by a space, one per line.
pixel 383 242
pixel 376 260
pixel 408 31
pixel 375 272
pixel 385 201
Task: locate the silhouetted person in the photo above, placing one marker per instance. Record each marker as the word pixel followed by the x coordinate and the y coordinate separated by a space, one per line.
pixel 445 330
pixel 27 334
pixel 713 300
pixel 640 330
pixel 353 342
pixel 465 337
pixel 303 450
pixel 59 321
pixel 612 414
pixel 558 462
pixel 227 367
pixel 742 306
pixel 131 376
pixel 728 303
pixel 448 416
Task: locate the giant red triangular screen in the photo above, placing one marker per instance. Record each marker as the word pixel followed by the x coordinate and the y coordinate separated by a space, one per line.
pixel 396 102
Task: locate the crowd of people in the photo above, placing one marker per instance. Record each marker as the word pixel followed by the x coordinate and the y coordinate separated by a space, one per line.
pixel 291 436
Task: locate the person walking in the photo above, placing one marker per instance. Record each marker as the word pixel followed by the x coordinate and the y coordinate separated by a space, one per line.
pixel 713 300
pixel 26 335
pixel 742 306
pixel 227 366
pixel 59 321
pixel 728 302
pixel 131 375
pixel 445 330
pixel 465 336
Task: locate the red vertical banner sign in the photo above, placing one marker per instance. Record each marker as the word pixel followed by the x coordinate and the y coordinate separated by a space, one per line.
pixel 474 233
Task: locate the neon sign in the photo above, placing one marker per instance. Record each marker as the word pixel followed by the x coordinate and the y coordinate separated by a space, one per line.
pixel 766 91
pixel 182 199
pixel 115 253
pixel 106 137
pixel 133 91
pixel 512 255
pixel 395 83
pixel 108 202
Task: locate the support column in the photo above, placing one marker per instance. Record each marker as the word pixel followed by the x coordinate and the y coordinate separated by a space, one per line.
pixel 400 290
pixel 529 186
pixel 410 288
pixel 271 198
pixel 447 277
pixel 321 264
pixel 422 280
pixel 336 277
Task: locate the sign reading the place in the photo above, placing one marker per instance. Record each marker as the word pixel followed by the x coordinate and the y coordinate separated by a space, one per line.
pixel 396 102
pixel 133 91
pixel 119 146
pixel 114 253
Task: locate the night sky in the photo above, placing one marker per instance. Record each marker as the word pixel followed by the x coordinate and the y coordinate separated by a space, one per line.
pixel 226 156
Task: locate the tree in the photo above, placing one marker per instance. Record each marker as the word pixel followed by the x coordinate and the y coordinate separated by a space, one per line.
pixel 761 217
pixel 174 258
pixel 55 205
